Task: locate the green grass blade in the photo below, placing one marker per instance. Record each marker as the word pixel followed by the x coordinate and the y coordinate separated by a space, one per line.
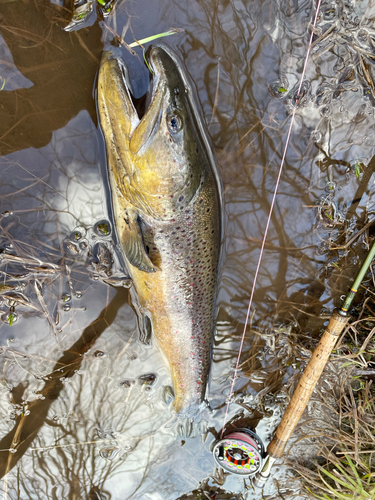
pixel 354 469
pixel 347 477
pixel 144 57
pixel 172 31
pixel 343 483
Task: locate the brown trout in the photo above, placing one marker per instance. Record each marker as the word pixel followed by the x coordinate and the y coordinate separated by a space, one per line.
pixel 167 209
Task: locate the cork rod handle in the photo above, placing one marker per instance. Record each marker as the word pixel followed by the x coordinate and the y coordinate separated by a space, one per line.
pixel 307 384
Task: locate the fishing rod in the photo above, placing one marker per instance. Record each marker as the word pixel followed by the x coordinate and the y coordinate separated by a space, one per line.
pixel 241 452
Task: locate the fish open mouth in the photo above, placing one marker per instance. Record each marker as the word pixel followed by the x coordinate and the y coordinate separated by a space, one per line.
pixel 141 104
pixel 141 117
pixel 145 112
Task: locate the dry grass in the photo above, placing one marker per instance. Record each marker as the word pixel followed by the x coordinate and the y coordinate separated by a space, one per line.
pixel 346 458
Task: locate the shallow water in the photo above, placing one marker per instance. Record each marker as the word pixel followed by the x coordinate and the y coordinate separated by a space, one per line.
pixel 95 428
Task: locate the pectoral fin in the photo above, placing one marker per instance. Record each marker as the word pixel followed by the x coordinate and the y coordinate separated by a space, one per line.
pixel 132 243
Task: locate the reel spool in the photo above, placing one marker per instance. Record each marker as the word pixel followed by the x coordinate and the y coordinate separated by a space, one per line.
pixel 241 452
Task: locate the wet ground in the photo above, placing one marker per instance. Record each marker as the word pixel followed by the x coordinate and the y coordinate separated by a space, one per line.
pixel 82 409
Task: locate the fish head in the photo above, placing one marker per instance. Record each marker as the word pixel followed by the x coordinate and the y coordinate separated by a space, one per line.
pixel 161 150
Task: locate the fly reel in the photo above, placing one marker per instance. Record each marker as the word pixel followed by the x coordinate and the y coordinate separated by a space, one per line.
pixel 241 452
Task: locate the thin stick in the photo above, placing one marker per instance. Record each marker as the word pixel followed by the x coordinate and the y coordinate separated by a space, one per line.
pixel 216 92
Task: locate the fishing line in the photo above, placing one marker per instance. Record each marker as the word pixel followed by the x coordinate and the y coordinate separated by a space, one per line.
pixel 269 218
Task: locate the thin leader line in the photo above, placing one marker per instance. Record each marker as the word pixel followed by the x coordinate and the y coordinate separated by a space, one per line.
pixel 269 219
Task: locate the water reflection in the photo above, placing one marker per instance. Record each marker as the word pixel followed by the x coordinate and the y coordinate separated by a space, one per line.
pixel 94 430
pixel 11 78
pixel 61 66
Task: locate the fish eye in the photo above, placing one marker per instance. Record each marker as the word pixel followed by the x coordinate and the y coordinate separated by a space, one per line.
pixel 174 123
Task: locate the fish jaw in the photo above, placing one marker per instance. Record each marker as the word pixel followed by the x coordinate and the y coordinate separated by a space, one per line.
pixel 116 107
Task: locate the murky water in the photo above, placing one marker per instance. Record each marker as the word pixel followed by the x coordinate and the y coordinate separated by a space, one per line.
pixel 86 416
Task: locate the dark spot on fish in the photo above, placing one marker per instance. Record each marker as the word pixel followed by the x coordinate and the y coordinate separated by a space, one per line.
pixel 201 201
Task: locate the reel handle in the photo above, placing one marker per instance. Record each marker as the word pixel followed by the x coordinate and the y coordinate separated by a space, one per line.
pixel 307 384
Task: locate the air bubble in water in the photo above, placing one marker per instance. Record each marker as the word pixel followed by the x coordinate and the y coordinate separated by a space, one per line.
pixel 109 453
pixel 168 394
pixel 78 295
pixel 330 187
pixel 279 88
pixel 99 354
pixel 78 234
pixel 10 319
pixel 316 136
pixel 102 228
pixel 67 307
pixel 66 297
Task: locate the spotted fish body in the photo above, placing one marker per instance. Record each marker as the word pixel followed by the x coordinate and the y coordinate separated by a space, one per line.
pixel 167 209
